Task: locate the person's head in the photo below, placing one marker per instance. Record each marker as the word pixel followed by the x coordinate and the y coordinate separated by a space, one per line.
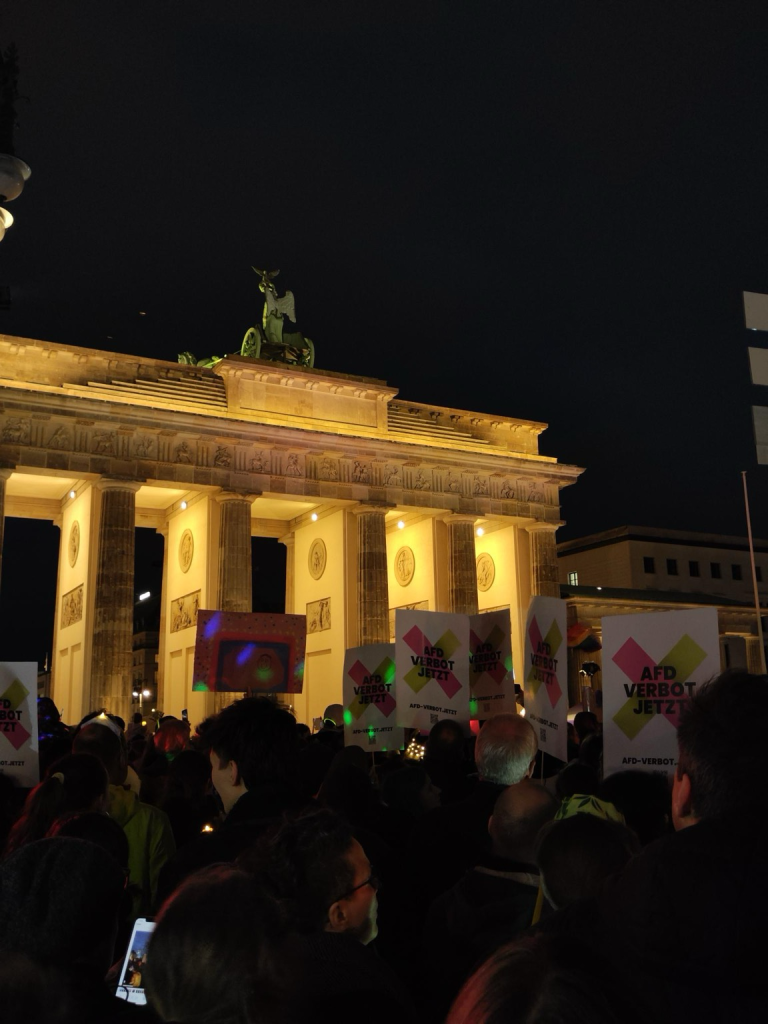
pixel 410 791
pixel 644 800
pixel 720 739
pixel 61 899
pixel 534 980
pixel 171 737
pixel 445 742
pixel 506 749
pixel 106 744
pixel 519 813
pixel 320 876
pixel 584 724
pixel 252 743
pixel 575 855
pixel 76 782
pixel 213 953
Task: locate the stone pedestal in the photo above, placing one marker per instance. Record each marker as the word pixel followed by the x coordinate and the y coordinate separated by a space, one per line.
pixel 372 589
pixel 462 568
pixel 544 568
pixel 112 659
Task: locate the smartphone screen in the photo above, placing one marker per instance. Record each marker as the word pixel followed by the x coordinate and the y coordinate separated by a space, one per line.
pixel 131 986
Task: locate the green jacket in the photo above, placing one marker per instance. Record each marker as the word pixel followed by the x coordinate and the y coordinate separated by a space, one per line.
pixel 150 845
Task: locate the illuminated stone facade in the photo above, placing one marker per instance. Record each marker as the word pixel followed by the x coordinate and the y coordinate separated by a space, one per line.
pixel 381 504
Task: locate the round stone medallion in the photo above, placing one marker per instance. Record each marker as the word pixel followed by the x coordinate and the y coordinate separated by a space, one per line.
pixel 405 566
pixel 186 550
pixel 73 548
pixel 486 572
pixel 317 559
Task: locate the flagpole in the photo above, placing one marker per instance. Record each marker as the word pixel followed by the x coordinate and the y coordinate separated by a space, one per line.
pixel 754 574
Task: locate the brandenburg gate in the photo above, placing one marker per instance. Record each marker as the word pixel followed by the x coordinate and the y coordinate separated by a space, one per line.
pixel 381 503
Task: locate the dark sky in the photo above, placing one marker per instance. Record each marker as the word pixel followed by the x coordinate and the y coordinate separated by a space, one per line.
pixel 544 209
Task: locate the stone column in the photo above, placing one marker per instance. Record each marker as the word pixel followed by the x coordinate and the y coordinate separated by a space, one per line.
pixel 235 593
pixel 462 567
pixel 544 568
pixel 235 572
pixel 372 589
pixel 112 658
pixel 4 474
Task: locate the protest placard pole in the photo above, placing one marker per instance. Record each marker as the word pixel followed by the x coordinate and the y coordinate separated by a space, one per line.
pixel 754 574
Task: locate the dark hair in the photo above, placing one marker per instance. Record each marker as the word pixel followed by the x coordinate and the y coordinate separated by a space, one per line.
pixel 96 828
pixel 303 866
pixel 445 741
pixel 644 800
pixel 101 742
pixel 535 980
pixel 585 723
pixel 213 951
pixel 721 738
pixel 73 783
pixel 575 855
pixel 259 737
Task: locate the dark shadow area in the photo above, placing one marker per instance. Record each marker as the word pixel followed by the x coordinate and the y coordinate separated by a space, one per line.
pixel 28 599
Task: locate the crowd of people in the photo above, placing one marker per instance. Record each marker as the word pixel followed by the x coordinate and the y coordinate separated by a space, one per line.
pixel 293 879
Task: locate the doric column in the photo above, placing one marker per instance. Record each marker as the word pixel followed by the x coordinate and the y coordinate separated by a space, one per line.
pixel 4 474
pixel 462 568
pixel 235 573
pixel 544 570
pixel 372 589
pixel 112 659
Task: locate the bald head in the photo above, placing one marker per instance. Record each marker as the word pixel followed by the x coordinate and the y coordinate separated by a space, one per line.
pixel 520 812
pixel 505 749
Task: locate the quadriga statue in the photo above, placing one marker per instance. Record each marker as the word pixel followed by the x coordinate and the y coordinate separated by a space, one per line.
pixel 273 338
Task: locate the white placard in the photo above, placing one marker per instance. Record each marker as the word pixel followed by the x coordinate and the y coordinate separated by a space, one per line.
pixel 19 757
pixel 432 668
pixel 652 665
pixel 546 674
pixel 492 683
pixel 369 698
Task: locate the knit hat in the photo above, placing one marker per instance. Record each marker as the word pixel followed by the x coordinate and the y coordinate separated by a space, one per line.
pixel 59 898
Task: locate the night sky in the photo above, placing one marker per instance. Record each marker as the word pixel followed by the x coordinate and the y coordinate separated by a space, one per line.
pixel 541 209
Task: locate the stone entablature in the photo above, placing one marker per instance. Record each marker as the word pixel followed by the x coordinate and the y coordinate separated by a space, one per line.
pixel 259 391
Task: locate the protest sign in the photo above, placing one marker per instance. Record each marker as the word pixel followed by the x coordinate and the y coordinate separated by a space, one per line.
pixel 432 668
pixel 19 758
pixel 369 698
pixel 652 665
pixel 492 685
pixel 546 674
pixel 249 652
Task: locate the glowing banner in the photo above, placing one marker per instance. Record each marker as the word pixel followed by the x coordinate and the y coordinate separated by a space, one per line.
pixel 369 698
pixel 249 652
pixel 432 668
pixel 546 674
pixel 652 665
pixel 18 722
pixel 490 665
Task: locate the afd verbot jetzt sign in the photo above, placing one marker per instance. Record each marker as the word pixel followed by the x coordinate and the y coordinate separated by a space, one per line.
pixel 546 674
pixel 652 666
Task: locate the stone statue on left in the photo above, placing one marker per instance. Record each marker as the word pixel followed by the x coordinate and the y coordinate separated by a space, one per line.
pixel 273 338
